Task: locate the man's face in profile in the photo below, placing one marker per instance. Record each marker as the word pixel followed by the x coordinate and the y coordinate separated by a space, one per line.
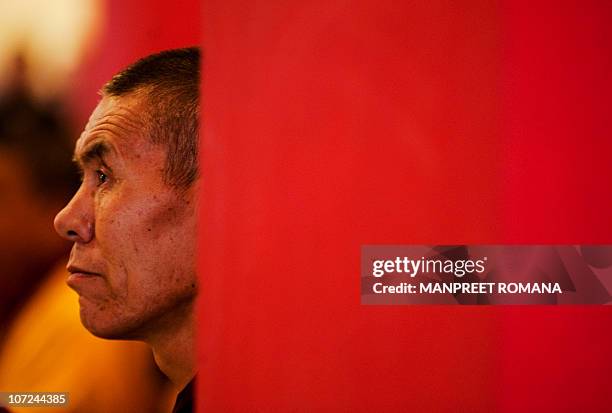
pixel 133 258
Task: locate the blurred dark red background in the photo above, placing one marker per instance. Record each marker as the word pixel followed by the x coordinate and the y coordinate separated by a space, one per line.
pixel 131 30
pixel 333 124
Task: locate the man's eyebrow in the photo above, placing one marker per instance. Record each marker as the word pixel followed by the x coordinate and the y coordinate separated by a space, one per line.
pixel 97 151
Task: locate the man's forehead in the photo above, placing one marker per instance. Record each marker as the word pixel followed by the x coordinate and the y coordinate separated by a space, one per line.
pixel 115 118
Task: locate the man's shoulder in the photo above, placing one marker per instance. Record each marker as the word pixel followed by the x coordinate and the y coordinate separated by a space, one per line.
pixel 184 400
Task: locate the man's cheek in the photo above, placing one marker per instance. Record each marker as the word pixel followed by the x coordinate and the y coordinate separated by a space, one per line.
pixel 163 221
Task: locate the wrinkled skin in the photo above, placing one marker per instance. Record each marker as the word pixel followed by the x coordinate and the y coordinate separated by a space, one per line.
pixel 133 258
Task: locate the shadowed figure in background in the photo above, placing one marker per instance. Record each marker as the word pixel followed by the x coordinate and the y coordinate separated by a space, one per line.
pixel 43 346
pixel 36 176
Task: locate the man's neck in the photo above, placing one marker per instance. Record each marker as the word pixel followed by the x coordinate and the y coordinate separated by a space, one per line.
pixel 174 347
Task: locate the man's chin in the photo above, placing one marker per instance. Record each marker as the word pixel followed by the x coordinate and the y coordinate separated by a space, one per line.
pixel 107 328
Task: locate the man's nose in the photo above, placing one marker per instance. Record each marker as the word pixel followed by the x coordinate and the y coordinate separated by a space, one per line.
pixel 75 221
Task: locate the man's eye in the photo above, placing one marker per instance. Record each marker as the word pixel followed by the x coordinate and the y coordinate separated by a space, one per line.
pixel 101 176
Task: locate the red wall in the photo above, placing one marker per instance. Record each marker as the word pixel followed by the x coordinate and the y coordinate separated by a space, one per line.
pixel 556 87
pixel 333 124
pixel 328 125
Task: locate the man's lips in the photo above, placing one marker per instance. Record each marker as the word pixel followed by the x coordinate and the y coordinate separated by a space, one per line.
pixel 79 274
pixel 78 271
